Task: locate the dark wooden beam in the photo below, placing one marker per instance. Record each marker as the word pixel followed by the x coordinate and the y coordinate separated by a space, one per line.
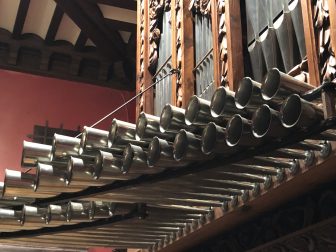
pixel 89 19
pixel 54 24
pixel 81 40
pixel 125 4
pixel 120 25
pixel 20 18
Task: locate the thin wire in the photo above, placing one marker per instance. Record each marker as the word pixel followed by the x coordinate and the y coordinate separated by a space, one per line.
pixel 171 72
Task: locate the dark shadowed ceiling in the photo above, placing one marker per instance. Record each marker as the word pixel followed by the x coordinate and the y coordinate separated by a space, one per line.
pixel 84 40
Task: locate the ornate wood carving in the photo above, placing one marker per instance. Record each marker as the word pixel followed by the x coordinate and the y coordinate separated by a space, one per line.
pixel 327 60
pixel 222 38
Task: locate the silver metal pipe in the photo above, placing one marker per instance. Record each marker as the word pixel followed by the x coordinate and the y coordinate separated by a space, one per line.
pixel 135 161
pixel 296 14
pixel 123 133
pixel 100 209
pixel 64 146
pixel 187 146
pixel 161 154
pixel 17 184
pixel 266 123
pixel 33 216
pixel 272 162
pixel 239 132
pixel 252 169
pixel 77 211
pixel 223 103
pixel 296 112
pixel 323 148
pixel 51 179
pixel 9 217
pixel 279 85
pixel 35 152
pixel 214 140
pixel 307 156
pixel 248 94
pixel 198 112
pixel 56 214
pixel 92 139
pixel 173 119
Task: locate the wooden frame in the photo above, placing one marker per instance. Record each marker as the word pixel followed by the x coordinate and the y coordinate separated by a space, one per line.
pixel 215 32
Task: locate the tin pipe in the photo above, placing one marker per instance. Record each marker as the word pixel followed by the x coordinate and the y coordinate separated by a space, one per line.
pixel 266 123
pixel 173 119
pixel 223 103
pixel 9 217
pixel 239 132
pixel 252 169
pixel 279 85
pixel 307 156
pixel 64 146
pixel 272 162
pixel 249 94
pixel 56 215
pixel 35 152
pixel 187 146
pixel 148 126
pixel 296 112
pixel 77 211
pixel 323 148
pixel 296 14
pixel 33 216
pixel 123 133
pixel 135 161
pixel 92 139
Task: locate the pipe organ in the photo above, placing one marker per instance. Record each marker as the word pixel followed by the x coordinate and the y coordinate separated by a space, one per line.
pixel 247 123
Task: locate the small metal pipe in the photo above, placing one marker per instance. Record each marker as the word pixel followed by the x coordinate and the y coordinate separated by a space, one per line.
pixel 56 214
pixel 239 132
pixel 252 169
pixel 92 139
pixel 296 112
pixel 248 94
pixel 123 133
pixel 64 146
pixel 272 162
pixel 187 146
pixel 35 152
pixel 77 211
pixel 148 126
pixel 223 103
pixel 266 123
pixel 33 216
pixel 307 156
pixel 279 85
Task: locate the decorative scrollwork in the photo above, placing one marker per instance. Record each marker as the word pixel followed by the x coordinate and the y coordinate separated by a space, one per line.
pixel 200 6
pixel 222 38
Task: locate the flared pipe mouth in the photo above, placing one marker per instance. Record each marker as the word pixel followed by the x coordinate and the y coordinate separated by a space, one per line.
pixel 180 145
pixel 244 94
pixel 68 171
pixel 209 138
pixel 291 111
pixel 154 151
pixel 234 130
pixel 271 86
pixel 141 125
pixel 128 156
pixel 192 110
pixel 261 121
pixel 120 131
pixel 64 146
pixel 83 140
pixel 218 100
pixel 166 117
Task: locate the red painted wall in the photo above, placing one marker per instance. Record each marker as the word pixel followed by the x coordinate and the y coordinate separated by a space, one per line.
pixel 27 100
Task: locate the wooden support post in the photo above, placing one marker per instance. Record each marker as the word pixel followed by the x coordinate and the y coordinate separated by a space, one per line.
pixel 144 78
pixel 234 43
pixel 215 32
pixel 312 53
pixel 184 53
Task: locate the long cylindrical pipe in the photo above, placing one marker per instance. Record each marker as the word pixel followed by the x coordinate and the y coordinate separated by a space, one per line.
pixel 266 123
pixel 64 146
pixel 35 152
pixel 148 126
pixel 239 132
pixel 92 139
pixel 296 112
pixel 123 133
pixel 279 85
pixel 187 146
pixel 223 103
pixel 248 94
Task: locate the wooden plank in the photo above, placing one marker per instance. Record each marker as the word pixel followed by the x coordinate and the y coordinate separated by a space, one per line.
pixel 307 179
pixel 20 18
pixel 332 16
pixel 215 32
pixel 312 53
pixel 234 43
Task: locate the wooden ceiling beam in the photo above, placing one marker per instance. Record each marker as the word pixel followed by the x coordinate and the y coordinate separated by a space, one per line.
pixel 81 40
pixel 125 4
pixel 89 19
pixel 54 24
pixel 20 18
pixel 120 25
